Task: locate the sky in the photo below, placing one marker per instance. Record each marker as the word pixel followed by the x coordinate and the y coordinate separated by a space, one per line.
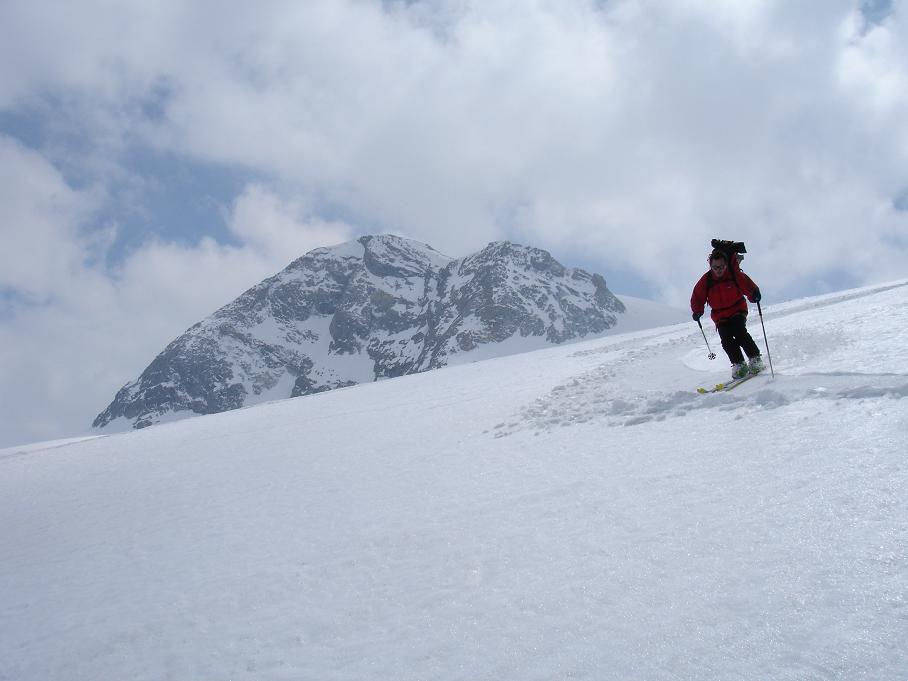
pixel 158 159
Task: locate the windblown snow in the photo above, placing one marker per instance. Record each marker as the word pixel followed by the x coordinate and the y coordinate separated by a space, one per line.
pixel 578 512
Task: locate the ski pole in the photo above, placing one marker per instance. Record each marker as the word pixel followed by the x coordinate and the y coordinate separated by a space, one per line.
pixel 765 341
pixel 711 355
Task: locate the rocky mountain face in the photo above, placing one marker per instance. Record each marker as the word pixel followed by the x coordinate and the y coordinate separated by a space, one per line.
pixel 378 307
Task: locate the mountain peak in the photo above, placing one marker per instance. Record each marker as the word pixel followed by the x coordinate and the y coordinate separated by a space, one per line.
pixel 376 307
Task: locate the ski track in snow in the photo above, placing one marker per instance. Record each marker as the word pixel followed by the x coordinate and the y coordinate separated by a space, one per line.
pixel 613 394
pixel 588 399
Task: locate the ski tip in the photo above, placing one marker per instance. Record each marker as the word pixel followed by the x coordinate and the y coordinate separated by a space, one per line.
pixel 702 390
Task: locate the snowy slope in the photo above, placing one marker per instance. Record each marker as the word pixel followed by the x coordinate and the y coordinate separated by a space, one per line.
pixel 571 513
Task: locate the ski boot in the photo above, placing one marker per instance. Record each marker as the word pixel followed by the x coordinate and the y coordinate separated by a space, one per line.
pixel 756 365
pixel 738 371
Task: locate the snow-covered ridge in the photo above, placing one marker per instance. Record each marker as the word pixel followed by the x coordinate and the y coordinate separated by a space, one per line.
pixel 374 308
pixel 576 512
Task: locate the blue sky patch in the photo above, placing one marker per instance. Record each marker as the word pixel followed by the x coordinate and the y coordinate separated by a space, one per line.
pixel 875 12
pixel 149 194
pixel 900 202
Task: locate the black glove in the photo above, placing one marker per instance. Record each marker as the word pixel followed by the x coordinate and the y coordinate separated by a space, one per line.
pixel 756 295
pixel 696 316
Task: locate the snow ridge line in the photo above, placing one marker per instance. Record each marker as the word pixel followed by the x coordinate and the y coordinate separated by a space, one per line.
pixel 783 309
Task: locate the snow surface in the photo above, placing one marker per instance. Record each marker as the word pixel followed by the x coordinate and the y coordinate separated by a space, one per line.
pixel 577 512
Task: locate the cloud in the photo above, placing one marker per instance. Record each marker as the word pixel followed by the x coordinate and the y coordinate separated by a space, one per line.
pixel 38 229
pixel 622 134
pixel 574 123
pixel 73 331
pixel 578 128
pixel 281 228
pixel 871 69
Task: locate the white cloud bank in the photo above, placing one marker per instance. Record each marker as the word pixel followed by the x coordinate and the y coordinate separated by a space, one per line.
pixel 624 132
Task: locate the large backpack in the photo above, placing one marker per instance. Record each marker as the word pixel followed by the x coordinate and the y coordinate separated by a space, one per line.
pixel 730 248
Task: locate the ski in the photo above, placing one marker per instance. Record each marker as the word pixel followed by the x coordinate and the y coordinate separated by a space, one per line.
pixel 725 387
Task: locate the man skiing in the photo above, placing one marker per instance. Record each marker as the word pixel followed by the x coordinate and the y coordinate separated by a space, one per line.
pixel 724 288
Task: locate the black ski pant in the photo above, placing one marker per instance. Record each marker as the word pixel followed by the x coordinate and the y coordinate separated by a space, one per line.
pixel 735 338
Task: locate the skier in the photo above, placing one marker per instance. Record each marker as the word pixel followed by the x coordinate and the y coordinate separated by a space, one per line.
pixel 724 288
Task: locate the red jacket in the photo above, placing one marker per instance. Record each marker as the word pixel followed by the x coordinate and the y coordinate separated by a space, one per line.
pixel 725 295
